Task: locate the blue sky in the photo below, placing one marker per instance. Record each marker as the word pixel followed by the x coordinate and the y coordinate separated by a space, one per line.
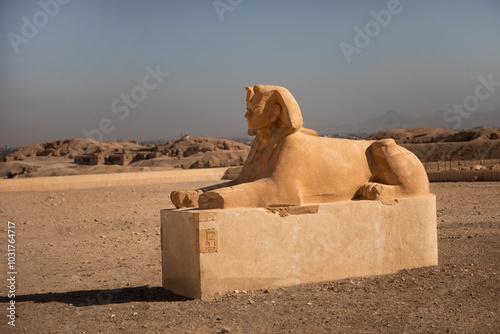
pixel 64 79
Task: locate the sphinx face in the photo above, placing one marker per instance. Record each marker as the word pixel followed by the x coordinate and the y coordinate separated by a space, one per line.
pixel 259 112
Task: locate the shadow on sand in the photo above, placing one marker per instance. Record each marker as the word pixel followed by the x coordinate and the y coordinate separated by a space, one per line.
pixel 102 297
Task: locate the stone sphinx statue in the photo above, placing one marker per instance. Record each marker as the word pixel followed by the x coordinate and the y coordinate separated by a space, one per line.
pixel 289 165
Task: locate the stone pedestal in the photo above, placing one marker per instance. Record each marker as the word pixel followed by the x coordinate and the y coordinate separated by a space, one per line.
pixel 209 251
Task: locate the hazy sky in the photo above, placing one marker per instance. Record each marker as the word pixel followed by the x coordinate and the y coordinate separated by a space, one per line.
pixel 70 67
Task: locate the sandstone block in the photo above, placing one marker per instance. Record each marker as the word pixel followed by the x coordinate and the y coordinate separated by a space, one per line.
pixel 205 252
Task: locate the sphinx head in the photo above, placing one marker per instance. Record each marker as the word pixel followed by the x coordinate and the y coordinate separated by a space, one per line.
pixel 271 106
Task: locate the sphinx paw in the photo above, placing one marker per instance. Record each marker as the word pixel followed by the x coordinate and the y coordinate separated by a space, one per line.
pixel 375 191
pixel 185 198
pixel 211 200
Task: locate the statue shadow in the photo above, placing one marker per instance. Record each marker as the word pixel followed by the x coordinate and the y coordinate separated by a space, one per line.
pixel 102 297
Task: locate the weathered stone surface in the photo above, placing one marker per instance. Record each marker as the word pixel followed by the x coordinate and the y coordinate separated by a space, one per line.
pixel 210 251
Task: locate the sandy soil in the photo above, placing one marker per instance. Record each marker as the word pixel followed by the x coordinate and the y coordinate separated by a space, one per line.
pixel 89 261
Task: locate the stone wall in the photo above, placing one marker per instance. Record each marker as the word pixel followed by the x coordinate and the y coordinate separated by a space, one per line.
pixel 457 176
pixel 110 180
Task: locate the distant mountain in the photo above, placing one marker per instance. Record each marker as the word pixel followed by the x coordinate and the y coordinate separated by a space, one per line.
pixel 436 117
pixel 389 120
pixel 395 120
pixel 486 119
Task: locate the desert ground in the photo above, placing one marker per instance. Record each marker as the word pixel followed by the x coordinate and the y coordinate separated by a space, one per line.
pixel 89 261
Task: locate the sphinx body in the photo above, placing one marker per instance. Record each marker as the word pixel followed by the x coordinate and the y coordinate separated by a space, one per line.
pixel 289 165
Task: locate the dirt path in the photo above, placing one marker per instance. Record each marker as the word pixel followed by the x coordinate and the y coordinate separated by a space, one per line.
pixel 88 261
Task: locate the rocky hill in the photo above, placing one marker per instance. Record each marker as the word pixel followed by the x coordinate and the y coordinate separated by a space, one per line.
pixel 70 147
pixel 188 146
pixel 199 152
pixel 414 135
pixel 57 158
pixel 433 144
pixel 184 147
pixel 436 135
